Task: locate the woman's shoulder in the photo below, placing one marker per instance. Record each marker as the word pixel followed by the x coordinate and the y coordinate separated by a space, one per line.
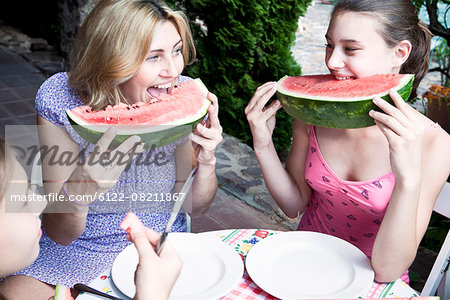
pixel 57 84
pixel 54 97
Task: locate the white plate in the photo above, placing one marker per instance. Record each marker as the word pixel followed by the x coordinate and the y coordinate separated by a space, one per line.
pixel 211 269
pixel 309 265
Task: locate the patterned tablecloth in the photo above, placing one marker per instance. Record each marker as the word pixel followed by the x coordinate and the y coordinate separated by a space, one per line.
pixel 242 241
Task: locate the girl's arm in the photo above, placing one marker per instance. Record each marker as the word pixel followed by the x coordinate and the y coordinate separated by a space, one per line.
pixel 65 221
pixel 286 189
pixel 421 165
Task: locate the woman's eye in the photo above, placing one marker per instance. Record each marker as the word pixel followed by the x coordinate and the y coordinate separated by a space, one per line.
pixel 328 45
pixel 153 58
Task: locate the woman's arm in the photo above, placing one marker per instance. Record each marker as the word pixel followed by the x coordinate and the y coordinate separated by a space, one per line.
pixel 287 186
pixel 60 227
pixel 199 151
pixel 421 165
pixel 65 221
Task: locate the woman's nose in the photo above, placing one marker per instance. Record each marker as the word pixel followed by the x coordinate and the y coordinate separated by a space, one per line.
pixel 334 60
pixel 170 69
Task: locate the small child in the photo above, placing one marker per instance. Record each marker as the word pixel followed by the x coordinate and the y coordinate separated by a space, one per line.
pixel 20 233
pixel 374 187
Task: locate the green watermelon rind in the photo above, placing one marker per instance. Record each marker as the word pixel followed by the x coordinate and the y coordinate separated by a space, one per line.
pixel 340 113
pixel 152 135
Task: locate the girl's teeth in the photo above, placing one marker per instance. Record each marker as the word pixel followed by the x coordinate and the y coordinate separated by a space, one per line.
pixel 343 78
pixel 163 86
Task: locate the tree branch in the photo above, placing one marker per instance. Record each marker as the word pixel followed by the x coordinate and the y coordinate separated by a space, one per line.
pixel 439 69
pixel 435 26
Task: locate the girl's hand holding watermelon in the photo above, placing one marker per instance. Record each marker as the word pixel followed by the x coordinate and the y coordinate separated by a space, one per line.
pixel 404 134
pixel 261 118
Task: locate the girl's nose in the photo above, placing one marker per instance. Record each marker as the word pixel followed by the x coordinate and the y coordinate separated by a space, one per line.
pixel 334 60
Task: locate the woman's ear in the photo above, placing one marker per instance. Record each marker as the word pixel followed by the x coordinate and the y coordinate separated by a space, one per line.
pixel 401 52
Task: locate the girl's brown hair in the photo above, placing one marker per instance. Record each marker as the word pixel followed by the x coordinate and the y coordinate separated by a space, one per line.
pixel 112 44
pixel 399 21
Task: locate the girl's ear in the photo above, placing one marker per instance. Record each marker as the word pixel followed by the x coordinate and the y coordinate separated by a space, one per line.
pixel 401 52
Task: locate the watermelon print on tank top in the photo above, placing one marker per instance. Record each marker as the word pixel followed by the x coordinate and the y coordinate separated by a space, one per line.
pixel 350 210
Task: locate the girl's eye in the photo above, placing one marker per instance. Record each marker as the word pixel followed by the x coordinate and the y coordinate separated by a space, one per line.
pixel 329 45
pixel 178 50
pixel 350 49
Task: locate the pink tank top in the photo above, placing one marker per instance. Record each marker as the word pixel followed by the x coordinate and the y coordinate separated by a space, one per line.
pixel 350 210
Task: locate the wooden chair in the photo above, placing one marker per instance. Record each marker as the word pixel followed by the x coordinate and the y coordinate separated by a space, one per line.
pixel 438 281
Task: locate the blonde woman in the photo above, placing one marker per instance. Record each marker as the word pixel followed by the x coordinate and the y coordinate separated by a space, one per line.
pixel 127 51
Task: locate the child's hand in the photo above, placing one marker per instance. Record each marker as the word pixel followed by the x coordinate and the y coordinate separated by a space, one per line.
pixel 155 275
pixel 206 137
pixel 261 118
pixel 404 133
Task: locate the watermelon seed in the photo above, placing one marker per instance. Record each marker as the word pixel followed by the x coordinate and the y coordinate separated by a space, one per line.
pixel 128 108
pixel 131 119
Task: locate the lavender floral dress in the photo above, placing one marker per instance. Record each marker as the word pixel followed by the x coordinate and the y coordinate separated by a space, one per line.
pixel 103 239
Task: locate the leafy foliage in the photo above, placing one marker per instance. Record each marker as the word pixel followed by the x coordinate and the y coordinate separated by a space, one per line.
pixel 436 232
pixel 240 45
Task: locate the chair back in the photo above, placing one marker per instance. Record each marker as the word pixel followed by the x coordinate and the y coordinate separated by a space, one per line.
pixel 439 279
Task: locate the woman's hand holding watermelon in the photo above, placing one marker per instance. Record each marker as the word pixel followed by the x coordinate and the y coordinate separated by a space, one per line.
pixel 261 118
pixel 206 137
pixel 103 167
pixel 85 182
pixel 405 135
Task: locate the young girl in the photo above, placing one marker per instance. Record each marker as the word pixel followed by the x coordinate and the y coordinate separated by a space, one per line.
pixel 374 187
pixel 126 51
pixel 20 232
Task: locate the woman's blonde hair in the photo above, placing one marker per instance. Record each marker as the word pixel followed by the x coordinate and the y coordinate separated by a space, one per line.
pixel 112 44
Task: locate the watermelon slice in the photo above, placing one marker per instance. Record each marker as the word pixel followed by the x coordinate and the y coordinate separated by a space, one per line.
pixel 323 100
pixel 168 119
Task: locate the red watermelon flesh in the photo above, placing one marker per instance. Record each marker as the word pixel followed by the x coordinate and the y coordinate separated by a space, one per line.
pixel 169 118
pixel 327 87
pixel 322 100
pixel 164 111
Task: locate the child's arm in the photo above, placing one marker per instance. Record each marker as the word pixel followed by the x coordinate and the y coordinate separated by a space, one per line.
pixel 283 187
pixel 421 164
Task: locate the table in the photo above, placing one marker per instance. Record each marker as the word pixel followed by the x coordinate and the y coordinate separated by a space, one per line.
pixel 242 240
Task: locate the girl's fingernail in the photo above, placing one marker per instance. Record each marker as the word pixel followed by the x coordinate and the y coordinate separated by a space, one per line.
pixel 371 112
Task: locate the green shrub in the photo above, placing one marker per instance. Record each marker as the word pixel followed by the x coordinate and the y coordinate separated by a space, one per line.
pixel 247 43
